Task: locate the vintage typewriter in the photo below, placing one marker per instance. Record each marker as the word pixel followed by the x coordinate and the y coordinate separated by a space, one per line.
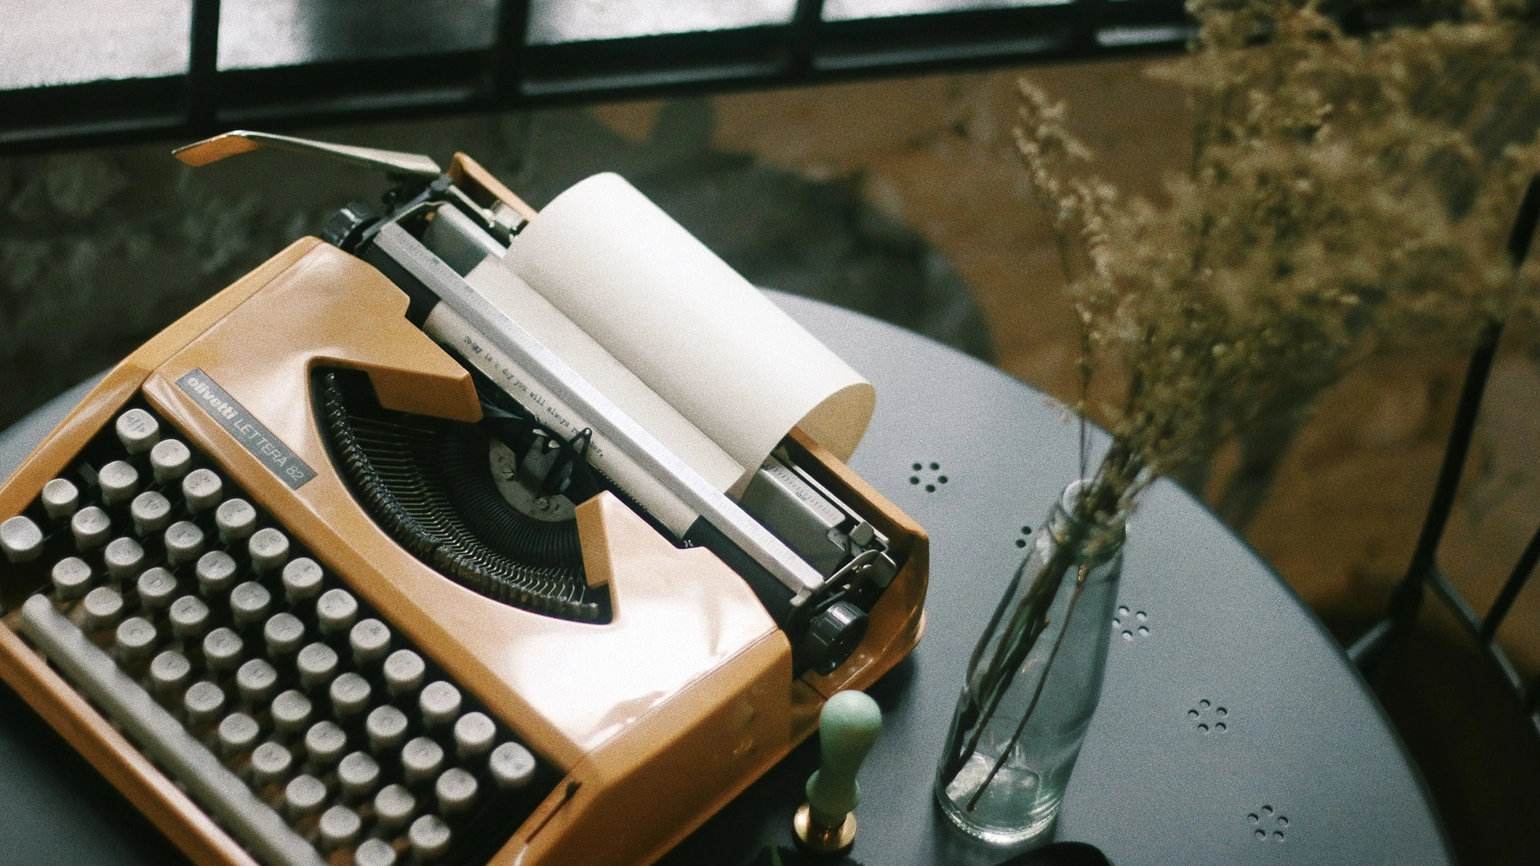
pixel 348 566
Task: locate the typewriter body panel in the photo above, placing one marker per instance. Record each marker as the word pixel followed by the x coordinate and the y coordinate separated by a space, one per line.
pixel 642 726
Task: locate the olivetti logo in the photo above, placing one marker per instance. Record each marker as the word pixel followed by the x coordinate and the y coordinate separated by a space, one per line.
pixel 263 445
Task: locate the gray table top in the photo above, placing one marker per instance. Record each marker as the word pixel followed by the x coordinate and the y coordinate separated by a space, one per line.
pixel 1307 759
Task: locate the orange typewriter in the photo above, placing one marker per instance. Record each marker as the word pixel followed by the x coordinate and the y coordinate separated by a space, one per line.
pixel 467 535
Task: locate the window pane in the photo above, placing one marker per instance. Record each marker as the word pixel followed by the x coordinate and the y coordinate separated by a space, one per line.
pixel 48 42
pixel 853 10
pixel 254 34
pixel 556 21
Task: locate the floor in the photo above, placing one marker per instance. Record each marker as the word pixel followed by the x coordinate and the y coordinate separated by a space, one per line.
pixel 901 198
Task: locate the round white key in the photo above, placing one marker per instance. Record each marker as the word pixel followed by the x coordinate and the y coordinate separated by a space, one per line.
pixel 102 607
pixel 317 665
pixel 184 541
pixel 301 579
pixel 291 712
pixel 439 703
pixel 456 791
pixel 151 512
pixel 91 527
pixel 202 489
pixel 404 671
pixel 269 549
pixel 236 520
pixel 216 572
pixel 283 633
pixel 370 640
pixel 157 588
pixel 119 481
pixel 386 727
pixel 421 759
pixel 429 837
pixel 60 498
pixel 71 578
pixel 349 694
pixel 123 557
pixel 249 603
pixel 170 460
pixel 336 610
pixel 169 671
pixel 512 766
pixel 256 680
pixel 340 826
pixel 270 762
pixel 374 852
pixel 134 639
pixel 204 702
pixel 21 539
pixel 137 430
pixel 474 733
pixel 189 617
pixel 222 649
pixel 325 743
pixel 358 773
pixel 238 733
pixel 393 806
pixel 304 795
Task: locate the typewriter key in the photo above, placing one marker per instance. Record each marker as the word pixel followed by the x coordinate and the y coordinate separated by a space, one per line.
pixel 202 489
pixel 184 541
pixel 386 726
pixel 317 665
pixel 134 639
pixel 91 526
pixel 370 640
pixel 119 481
pixel 336 609
pixel 189 617
pixel 236 520
pixel 71 578
pixel 157 587
pixel 123 558
pixel 102 606
pixel 222 649
pixel 350 695
pixel 60 498
pixel 513 767
pixel 216 572
pixel 339 827
pixel 137 430
pixel 150 512
pixel 439 703
pixel 358 773
pixel 291 712
pixel 301 579
pixel 404 671
pixel 421 759
pixel 393 806
pixel 304 795
pixel 170 460
pixel 204 702
pixel 169 671
pixel 256 680
pixel 474 733
pixel 456 791
pixel 283 633
pixel 270 762
pixel 374 852
pixel 249 603
pixel 237 734
pixel 269 549
pixel 325 744
pixel 429 837
pixel 21 540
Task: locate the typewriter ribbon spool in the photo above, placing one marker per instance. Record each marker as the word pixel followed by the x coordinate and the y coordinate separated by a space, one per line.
pixel 394 614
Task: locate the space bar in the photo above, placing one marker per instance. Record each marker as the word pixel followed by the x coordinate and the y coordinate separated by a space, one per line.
pixel 163 738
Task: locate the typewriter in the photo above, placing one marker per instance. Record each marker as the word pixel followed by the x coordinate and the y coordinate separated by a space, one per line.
pixel 355 564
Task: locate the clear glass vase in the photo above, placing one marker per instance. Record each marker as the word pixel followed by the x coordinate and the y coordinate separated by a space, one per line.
pixel 1033 682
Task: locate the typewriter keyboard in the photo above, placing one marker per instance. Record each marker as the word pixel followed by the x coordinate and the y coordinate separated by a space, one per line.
pixel 290 712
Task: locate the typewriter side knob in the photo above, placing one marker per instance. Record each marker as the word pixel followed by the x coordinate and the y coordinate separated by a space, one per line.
pixel 833 635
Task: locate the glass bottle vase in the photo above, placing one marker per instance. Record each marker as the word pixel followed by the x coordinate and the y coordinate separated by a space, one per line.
pixel 1033 682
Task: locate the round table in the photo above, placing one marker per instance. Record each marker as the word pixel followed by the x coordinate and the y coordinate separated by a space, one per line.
pixel 1231 728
